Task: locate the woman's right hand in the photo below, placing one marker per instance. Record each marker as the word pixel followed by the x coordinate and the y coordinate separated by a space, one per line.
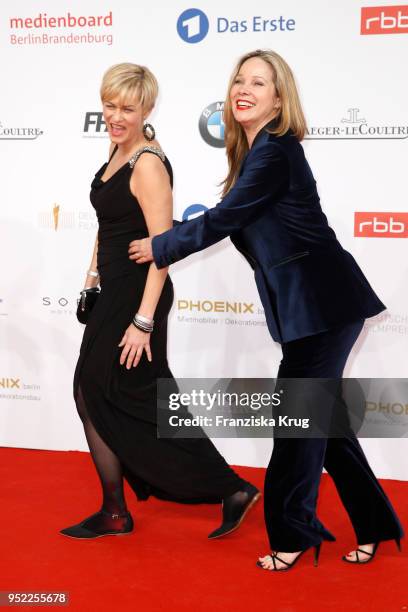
pixel 134 343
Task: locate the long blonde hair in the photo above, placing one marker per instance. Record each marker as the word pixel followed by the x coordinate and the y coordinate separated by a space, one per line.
pixel 290 114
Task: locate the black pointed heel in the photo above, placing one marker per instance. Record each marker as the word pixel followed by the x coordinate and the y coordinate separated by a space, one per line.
pixel 316 554
pixel 82 532
pixel 274 557
pixel 235 512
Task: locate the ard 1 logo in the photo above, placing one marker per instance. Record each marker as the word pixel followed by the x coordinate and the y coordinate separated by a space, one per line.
pixel 381 224
pixel 192 25
pixel 193 211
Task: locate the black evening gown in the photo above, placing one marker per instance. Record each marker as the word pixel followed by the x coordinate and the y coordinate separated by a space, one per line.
pixel 121 403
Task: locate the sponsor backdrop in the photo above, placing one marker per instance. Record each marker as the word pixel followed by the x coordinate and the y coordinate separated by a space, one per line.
pixel 349 63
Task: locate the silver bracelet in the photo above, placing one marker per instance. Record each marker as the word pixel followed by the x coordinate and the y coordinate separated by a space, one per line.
pixel 143 319
pixel 92 273
pixel 146 327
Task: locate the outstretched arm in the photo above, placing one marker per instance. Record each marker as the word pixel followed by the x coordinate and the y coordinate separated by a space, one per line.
pixel 266 172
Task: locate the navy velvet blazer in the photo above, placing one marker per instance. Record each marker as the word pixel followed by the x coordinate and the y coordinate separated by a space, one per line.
pixel 306 281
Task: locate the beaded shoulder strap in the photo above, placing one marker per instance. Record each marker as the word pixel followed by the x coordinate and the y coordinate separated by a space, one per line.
pixel 148 149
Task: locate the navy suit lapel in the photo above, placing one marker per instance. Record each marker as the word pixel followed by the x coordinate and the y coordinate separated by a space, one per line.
pixel 259 139
pixel 262 135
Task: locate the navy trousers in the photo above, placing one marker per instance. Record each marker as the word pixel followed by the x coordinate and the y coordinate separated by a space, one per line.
pixel 293 475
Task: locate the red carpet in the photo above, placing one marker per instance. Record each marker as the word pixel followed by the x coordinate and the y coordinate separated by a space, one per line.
pixel 167 563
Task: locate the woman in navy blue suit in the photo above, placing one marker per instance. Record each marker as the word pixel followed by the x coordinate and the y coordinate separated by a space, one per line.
pixel 315 296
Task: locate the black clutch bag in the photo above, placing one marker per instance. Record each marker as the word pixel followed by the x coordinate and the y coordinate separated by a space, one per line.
pixel 86 303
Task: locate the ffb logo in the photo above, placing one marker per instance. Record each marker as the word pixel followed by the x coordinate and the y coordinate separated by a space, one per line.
pixel 94 125
pixel 381 224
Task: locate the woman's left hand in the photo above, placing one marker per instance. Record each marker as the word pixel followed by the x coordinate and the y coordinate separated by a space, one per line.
pixel 140 251
pixel 134 342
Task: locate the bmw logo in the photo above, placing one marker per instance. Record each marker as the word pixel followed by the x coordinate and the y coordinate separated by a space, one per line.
pixel 194 210
pixel 211 125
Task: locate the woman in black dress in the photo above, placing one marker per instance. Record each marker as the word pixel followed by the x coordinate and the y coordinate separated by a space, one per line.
pixel 122 353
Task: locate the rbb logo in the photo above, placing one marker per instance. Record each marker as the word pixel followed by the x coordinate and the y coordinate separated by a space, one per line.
pixel 192 25
pixel 94 124
pixel 381 225
pixel 384 20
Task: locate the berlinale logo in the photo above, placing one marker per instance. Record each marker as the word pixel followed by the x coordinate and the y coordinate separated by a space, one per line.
pixel 211 125
pixel 381 224
pixel 94 125
pixel 384 20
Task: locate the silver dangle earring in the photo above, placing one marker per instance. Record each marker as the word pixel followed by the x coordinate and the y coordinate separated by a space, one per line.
pixel 149 131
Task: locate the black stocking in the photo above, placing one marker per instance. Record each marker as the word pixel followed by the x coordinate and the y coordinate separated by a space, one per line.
pixel 109 470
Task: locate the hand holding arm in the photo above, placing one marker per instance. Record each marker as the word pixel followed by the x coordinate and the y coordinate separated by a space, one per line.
pixel 265 173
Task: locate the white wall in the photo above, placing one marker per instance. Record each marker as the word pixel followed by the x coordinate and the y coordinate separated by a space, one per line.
pixel 51 87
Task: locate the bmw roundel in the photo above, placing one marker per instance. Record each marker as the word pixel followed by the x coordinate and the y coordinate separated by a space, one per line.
pixel 211 125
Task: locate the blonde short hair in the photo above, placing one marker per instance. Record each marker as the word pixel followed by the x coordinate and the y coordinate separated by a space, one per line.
pixel 127 81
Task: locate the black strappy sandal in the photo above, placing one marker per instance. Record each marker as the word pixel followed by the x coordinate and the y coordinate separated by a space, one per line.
pixel 274 557
pixel 371 555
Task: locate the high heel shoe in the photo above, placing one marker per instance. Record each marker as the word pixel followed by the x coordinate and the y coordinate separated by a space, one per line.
pixel 370 555
pixel 114 525
pixel 234 510
pixel 274 557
